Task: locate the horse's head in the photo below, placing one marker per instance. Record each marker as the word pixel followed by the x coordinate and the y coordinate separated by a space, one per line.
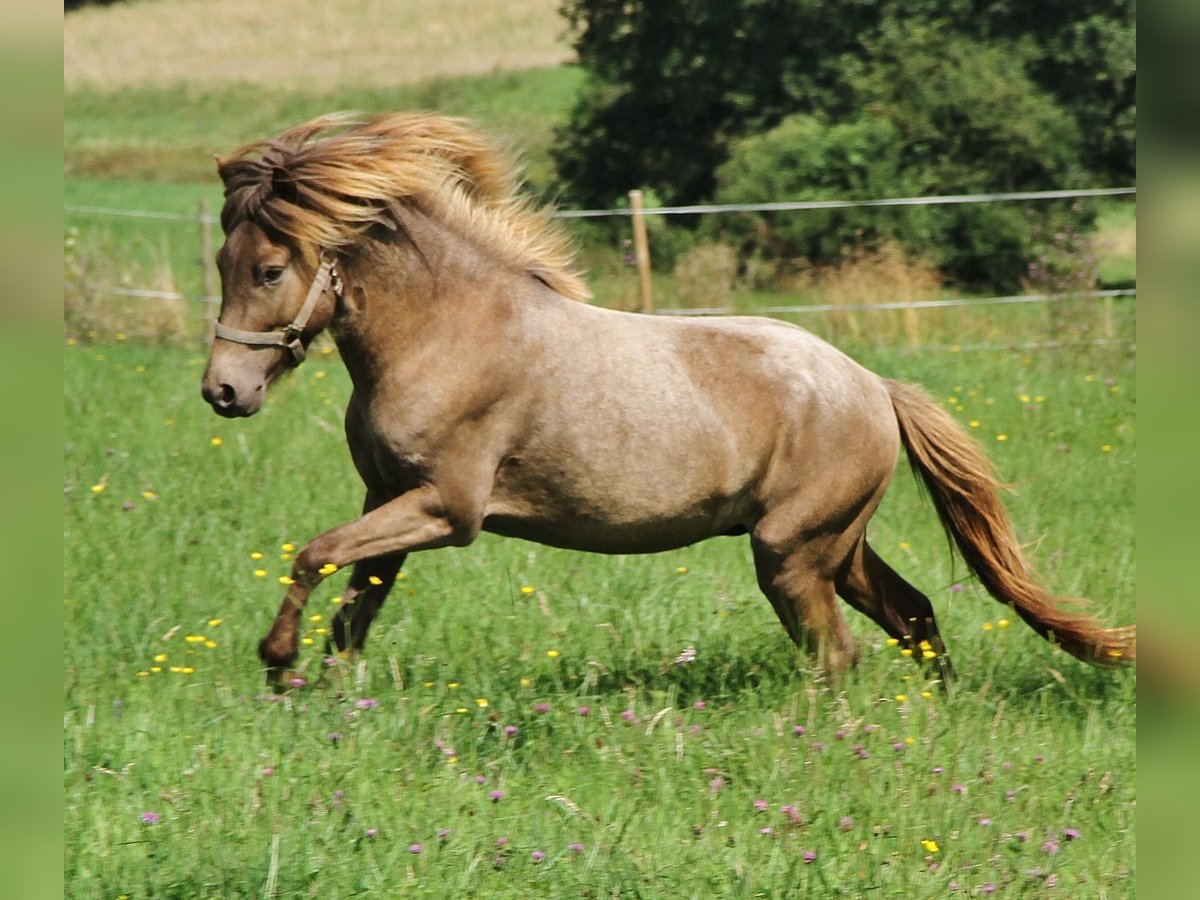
pixel 275 298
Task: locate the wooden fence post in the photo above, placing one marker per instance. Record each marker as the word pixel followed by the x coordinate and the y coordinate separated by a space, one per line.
pixel 208 277
pixel 641 250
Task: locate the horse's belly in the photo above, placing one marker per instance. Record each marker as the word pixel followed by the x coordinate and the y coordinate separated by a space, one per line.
pixel 610 537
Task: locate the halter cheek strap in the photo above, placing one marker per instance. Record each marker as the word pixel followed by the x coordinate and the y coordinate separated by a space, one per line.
pixel 289 337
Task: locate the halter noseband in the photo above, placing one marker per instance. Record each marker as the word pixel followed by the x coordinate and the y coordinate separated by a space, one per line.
pixel 289 337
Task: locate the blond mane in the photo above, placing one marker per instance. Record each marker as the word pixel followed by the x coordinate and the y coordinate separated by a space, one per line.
pixel 328 181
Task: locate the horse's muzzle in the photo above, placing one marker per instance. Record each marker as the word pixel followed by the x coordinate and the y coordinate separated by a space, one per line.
pixel 227 401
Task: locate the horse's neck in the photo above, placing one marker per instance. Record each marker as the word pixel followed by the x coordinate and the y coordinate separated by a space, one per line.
pixel 418 292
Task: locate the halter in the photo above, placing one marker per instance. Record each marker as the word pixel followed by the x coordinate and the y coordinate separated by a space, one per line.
pixel 289 336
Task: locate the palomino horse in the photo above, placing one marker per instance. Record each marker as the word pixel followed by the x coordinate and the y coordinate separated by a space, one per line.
pixel 488 398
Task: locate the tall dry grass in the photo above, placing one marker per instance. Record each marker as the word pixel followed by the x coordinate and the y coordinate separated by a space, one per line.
pixel 294 44
pixel 887 274
pixel 94 311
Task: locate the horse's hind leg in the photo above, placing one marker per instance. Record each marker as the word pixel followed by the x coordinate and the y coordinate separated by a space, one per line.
pixel 799 584
pixel 872 587
pixel 369 585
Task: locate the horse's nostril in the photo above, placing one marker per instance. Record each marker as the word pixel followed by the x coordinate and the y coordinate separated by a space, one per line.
pixel 222 396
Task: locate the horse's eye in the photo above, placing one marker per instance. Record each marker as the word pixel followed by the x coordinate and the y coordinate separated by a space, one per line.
pixel 272 275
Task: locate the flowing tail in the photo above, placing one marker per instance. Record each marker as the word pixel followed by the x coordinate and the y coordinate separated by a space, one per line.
pixel 965 492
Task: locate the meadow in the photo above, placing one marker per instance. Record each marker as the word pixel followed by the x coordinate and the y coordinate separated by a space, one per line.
pixel 528 721
pixel 533 721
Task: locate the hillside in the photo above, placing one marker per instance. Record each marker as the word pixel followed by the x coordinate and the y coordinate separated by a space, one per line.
pixel 297 45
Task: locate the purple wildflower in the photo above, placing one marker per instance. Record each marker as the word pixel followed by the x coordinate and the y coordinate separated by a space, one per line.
pixel 809 857
pixel 372 832
pixel 699 704
pixel 366 703
pixel 585 710
pixel 860 751
pixel 575 848
pixel 496 796
pixel 988 888
pixel 984 820
pixel 760 805
pixel 1050 846
pixel 501 841
pixel 629 715
pixel 840 734
pixel 537 855
pixel 959 788
pixel 845 823
pixel 443 834
pixel 819 746
pixel 798 729
pixel 768 830
pixel 298 682
pixel 716 784
pixel 1070 834
pixel 415 848
pixel 510 730
pixel 956 588
pixel 898 745
pixel 150 818
pixel 481 779
pixel 541 708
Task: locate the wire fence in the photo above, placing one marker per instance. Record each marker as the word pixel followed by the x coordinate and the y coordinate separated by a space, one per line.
pixel 206 221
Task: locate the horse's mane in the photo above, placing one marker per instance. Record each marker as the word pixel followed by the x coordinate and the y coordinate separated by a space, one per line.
pixel 328 181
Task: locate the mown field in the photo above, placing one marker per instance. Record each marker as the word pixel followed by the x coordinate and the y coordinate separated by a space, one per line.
pixel 528 721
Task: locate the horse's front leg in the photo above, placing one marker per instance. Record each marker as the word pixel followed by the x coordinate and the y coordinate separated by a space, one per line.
pixel 421 519
pixel 369 585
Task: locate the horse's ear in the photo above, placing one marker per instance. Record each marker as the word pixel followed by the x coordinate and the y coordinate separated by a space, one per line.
pixel 282 185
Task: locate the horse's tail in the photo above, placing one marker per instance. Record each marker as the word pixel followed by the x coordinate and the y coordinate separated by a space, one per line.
pixel 965 492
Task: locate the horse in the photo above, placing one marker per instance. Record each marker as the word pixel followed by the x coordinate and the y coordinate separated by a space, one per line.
pixel 488 395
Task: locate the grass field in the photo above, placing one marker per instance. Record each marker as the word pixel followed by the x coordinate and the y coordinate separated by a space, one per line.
pixel 520 725
pixel 525 721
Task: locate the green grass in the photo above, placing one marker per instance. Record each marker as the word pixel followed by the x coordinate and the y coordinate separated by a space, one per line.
pixel 255 794
pixel 170 134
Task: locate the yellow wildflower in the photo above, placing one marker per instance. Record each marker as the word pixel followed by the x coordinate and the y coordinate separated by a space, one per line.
pixel 901 698
pixel 481 702
pixel 1002 437
pixel 892 642
pixel 99 488
pixel 256 555
pixel 327 569
pixel 213 623
pixel 527 589
pixel 553 654
pixel 217 442
pixel 161 657
pixel 287 548
pixel 376 580
pixel 260 573
pixel 284 579
pixel 987 626
pixel 930 846
pixel 1002 623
